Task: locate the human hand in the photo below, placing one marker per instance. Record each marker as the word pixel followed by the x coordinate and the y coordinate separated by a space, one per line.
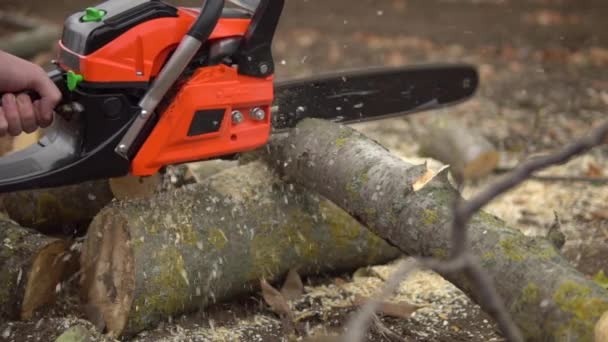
pixel 19 113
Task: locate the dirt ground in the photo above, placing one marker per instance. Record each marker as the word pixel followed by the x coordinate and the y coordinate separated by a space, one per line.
pixel 544 82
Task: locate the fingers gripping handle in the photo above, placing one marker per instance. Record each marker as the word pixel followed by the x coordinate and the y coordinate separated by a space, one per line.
pixel 34 96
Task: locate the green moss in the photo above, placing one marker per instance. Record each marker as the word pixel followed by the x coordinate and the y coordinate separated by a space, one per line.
pixel 166 290
pixel 547 253
pixel 429 217
pixel 290 239
pixel 529 297
pixel 353 188
pixel 488 258
pixel 48 206
pixel 343 228
pixel 488 219
pixel 518 247
pixel 530 294
pixel 217 238
pixel 511 248
pixel 439 252
pixel 601 279
pixel 343 137
pixel 585 309
pixel 370 212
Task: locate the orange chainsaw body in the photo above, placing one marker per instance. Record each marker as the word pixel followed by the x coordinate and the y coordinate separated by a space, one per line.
pixel 139 53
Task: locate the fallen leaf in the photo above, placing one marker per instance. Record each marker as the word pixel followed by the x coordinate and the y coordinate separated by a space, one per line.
pixel 293 288
pixel 397 309
pixel 593 170
pixel 274 299
pixel 601 214
pixel 339 281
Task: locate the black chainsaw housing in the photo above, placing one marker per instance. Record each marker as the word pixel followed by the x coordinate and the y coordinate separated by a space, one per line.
pixel 79 146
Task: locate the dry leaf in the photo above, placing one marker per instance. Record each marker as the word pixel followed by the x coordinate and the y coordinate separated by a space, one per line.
pixel 339 281
pixel 293 288
pixel 593 170
pixel 398 309
pixel 601 214
pixel 274 299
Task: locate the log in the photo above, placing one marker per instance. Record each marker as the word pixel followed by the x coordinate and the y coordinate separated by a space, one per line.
pixel 203 243
pixel 411 209
pixel 469 154
pixel 32 37
pixel 32 266
pixel 65 210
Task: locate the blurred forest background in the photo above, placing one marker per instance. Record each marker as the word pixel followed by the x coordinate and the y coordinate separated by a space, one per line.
pixel 544 82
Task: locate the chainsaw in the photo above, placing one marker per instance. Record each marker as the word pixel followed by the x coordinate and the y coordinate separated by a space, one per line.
pixel 146 84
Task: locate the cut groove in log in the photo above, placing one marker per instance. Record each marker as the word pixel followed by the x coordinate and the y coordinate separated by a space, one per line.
pixel 547 297
pixel 179 251
pixel 32 266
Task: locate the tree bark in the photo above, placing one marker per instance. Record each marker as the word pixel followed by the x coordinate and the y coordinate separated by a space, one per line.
pixel 147 260
pixel 65 210
pixel 32 266
pixel 548 298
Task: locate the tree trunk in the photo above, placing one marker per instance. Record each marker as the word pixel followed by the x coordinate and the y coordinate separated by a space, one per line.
pixel 32 266
pixel 147 260
pixel 402 203
pixel 66 209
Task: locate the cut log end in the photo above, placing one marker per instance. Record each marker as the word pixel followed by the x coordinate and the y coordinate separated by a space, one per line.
pixel 601 329
pixel 481 166
pixel 109 280
pixel 469 154
pixel 47 271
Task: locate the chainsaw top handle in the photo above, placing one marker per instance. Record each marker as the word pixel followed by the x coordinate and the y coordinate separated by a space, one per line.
pixel 207 19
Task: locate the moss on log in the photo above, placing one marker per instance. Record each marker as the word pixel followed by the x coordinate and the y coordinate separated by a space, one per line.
pixel 31 267
pixel 63 209
pixel 548 298
pixel 185 249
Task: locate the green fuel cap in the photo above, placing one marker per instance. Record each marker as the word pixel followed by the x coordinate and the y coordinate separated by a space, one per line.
pixel 73 80
pixel 93 14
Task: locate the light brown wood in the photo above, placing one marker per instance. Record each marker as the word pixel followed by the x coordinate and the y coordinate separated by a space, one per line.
pixel 33 265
